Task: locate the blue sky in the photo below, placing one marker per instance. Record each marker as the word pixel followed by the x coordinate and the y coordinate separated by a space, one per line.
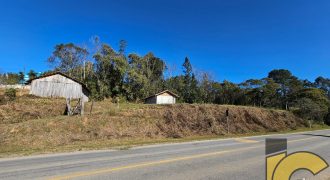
pixel 234 40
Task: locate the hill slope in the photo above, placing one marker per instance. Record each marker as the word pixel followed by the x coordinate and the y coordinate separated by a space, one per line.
pixel 110 126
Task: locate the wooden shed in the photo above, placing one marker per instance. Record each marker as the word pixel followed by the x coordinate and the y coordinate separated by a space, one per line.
pixel 59 85
pixel 164 97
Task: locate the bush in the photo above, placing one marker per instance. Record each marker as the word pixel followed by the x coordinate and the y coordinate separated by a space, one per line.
pixel 11 94
pixel 311 110
pixel 327 118
pixel 119 99
pixel 2 100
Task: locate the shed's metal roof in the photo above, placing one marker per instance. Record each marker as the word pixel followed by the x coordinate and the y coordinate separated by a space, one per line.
pixel 62 74
pixel 165 91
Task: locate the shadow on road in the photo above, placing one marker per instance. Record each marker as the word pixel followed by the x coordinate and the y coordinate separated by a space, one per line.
pixel 316 135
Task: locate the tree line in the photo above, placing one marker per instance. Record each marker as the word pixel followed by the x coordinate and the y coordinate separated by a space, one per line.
pixel 110 73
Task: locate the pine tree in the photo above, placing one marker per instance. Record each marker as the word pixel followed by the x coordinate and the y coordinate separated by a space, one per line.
pixel 189 82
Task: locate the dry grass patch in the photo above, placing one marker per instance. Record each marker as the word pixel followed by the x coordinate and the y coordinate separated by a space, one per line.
pixel 28 107
pixel 19 92
pixel 111 126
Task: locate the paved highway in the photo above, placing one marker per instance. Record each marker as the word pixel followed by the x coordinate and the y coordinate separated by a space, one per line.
pixel 236 158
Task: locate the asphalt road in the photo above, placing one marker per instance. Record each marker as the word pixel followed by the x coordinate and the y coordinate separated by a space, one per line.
pixel 241 158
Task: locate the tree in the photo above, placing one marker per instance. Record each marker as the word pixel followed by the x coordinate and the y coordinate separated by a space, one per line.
pixel 136 81
pixel 10 78
pixel 32 74
pixel 69 59
pixel 253 91
pixel 270 95
pixel 2 79
pixel 21 77
pixel 230 93
pixel 310 110
pixel 280 76
pixel 145 76
pixel 215 92
pixel 110 73
pixel 154 68
pixel 327 118
pixel 312 104
pixel 195 91
pixel 289 85
pixel 189 91
pixel 111 68
pixel 122 47
pixel 176 84
pixel 205 88
pixel 324 84
pixel 307 84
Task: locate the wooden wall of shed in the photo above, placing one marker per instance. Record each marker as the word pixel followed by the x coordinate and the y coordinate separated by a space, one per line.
pixel 58 86
pixel 151 100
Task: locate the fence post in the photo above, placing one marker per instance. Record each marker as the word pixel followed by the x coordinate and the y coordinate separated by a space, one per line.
pixel 82 107
pixel 227 118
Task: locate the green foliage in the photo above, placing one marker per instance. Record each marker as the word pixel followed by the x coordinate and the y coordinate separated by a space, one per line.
pixel 190 90
pixel 176 84
pixel 68 58
pixel 145 76
pixel 270 96
pixel 327 118
pixel 205 88
pixel 289 84
pixel 281 76
pixel 32 74
pixel 9 78
pixel 110 73
pixel 312 104
pixel 122 47
pixel 311 110
pixel 324 84
pixel 315 94
pixel 10 94
pixel 229 93
pixel 21 77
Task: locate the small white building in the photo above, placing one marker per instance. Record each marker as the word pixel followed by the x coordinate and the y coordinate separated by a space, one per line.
pixel 164 97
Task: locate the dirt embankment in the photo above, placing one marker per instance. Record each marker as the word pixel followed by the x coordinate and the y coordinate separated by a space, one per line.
pixel 187 120
pixel 109 126
pixel 27 107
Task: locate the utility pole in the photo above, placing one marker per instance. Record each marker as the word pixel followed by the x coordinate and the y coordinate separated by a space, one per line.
pixel 227 118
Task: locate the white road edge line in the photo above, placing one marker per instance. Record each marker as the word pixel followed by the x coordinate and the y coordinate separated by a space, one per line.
pixel 220 139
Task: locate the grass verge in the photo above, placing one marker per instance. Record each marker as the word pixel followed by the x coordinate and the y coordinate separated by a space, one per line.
pixel 127 143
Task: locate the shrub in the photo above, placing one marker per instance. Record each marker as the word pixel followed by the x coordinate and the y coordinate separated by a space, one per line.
pixel 327 118
pixel 2 100
pixel 119 99
pixel 11 94
pixel 311 110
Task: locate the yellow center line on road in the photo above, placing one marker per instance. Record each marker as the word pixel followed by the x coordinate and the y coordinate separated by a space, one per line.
pixel 101 171
pixel 153 163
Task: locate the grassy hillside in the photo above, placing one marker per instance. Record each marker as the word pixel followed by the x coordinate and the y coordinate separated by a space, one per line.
pixel 28 107
pixel 19 92
pixel 30 125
